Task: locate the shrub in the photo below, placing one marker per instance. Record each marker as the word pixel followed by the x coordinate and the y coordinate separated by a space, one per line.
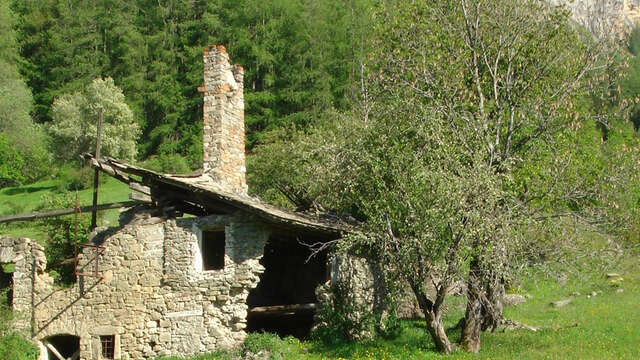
pixel 61 233
pixel 11 163
pixel 272 344
pixel 341 318
pixel 72 178
pixel 168 164
pixel 13 345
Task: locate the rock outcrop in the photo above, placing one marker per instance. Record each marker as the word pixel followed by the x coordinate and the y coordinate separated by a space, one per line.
pixel 604 16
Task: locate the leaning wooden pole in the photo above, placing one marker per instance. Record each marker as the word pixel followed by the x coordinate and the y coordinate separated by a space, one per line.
pixel 96 176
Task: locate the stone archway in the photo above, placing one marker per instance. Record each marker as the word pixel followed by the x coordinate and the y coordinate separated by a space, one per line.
pixel 62 347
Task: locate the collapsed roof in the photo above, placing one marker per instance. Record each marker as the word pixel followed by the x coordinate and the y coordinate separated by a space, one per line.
pixel 199 195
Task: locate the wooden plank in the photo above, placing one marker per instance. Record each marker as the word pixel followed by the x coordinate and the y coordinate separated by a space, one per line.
pixel 40 215
pixel 118 175
pixel 140 197
pixel 283 309
pixel 140 188
pixel 53 350
pixel 169 194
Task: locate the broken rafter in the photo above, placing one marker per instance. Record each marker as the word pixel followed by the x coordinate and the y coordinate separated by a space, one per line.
pixel 53 350
pixel 140 198
pixel 167 190
pixel 140 188
pixel 113 171
pixel 40 215
pixel 283 309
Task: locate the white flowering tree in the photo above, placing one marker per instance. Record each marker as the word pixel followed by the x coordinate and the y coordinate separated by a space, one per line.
pixel 75 117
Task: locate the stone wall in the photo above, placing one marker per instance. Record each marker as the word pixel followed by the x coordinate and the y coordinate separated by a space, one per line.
pixel 356 290
pixel 360 284
pixel 152 295
pixel 30 262
pixel 223 141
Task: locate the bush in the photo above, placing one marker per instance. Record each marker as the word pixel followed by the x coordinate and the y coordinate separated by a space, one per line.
pixel 72 178
pixel 272 344
pixel 168 164
pixel 13 345
pixel 21 164
pixel 11 163
pixel 341 318
pixel 61 233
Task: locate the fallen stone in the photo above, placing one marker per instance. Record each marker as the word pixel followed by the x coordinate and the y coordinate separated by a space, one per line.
pixel 513 300
pixel 613 275
pixel 619 291
pixel 575 293
pixel 593 293
pixel 561 303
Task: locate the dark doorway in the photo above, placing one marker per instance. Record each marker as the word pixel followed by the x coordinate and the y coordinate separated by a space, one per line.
pixel 6 284
pixel 68 346
pixel 284 300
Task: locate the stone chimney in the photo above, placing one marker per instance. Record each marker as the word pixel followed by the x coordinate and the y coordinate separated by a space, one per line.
pixel 223 140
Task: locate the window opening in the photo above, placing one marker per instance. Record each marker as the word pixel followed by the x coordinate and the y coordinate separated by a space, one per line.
pixel 108 345
pixel 6 284
pixel 213 244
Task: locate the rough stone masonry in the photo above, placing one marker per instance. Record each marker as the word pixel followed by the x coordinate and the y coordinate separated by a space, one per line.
pixel 223 141
pixel 150 295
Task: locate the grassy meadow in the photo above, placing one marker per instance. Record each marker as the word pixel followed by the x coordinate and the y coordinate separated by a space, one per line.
pixel 604 326
pixel 30 198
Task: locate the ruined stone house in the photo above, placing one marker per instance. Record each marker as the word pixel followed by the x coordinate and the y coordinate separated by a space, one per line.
pixel 192 271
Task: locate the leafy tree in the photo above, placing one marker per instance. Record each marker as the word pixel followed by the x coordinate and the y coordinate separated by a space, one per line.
pixel 74 129
pixel 23 142
pixel 514 73
pixel 460 96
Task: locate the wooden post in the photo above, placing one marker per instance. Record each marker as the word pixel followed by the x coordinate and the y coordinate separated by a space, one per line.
pixel 96 176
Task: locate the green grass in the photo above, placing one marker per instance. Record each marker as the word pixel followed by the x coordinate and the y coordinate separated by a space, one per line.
pixel 27 198
pixel 606 326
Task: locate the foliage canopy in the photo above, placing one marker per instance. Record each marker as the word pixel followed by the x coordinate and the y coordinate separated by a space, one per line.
pixel 75 117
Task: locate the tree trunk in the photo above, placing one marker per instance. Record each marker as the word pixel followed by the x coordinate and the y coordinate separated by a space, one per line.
pixel 473 317
pixel 436 329
pixel 434 322
pixel 485 292
pixel 492 310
